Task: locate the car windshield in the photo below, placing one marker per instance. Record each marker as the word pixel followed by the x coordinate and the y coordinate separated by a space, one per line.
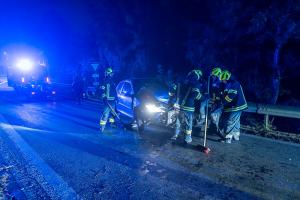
pixel 151 84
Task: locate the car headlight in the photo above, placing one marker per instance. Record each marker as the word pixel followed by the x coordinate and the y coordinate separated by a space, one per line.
pixel 152 108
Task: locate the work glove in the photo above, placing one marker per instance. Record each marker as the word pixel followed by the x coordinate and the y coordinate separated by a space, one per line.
pixel 176 106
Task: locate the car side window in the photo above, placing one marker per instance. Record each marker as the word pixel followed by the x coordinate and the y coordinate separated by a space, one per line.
pixel 127 89
pixel 119 87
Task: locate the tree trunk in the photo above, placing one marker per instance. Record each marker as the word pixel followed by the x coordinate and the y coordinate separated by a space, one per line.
pixel 276 74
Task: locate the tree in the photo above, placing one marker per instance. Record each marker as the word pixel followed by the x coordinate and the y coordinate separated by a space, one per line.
pixel 279 22
pixel 115 33
pixel 240 35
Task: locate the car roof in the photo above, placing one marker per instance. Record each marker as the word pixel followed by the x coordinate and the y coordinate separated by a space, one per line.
pixel 138 82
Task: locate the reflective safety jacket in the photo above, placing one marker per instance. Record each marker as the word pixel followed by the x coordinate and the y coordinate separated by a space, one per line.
pixel 184 96
pixel 233 98
pixel 108 89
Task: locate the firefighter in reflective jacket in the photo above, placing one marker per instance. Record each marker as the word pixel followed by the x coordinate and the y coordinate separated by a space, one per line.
pixel 215 96
pixel 234 103
pixel 109 97
pixel 199 114
pixel 186 93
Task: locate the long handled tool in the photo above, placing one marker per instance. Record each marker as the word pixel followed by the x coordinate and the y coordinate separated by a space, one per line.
pixel 115 114
pixel 206 149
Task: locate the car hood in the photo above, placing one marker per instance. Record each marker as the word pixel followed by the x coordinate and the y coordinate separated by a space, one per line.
pixel 161 96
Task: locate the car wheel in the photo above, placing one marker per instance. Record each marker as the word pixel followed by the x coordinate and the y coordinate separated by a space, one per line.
pixel 140 125
pixel 139 120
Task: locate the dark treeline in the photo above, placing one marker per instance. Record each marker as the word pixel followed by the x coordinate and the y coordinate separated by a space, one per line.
pixel 258 40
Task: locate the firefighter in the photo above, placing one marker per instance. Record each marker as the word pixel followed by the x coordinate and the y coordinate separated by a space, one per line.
pixel 109 97
pixel 215 96
pixel 171 102
pixel 199 115
pixel 234 103
pixel 186 93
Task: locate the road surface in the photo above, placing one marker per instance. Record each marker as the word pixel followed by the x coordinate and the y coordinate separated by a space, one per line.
pixel 53 150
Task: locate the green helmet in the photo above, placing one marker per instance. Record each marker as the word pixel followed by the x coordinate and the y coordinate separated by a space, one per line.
pixel 196 72
pixel 108 71
pixel 216 72
pixel 225 75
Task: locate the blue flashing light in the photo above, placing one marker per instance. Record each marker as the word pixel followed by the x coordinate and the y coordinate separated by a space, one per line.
pixel 25 65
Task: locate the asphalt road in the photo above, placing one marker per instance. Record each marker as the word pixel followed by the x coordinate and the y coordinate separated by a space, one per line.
pixel 53 150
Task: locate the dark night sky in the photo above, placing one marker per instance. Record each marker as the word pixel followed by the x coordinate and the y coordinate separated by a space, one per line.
pixel 216 33
pixel 54 28
pixel 60 28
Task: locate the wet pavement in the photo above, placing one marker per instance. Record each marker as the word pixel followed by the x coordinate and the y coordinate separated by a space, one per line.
pixel 53 150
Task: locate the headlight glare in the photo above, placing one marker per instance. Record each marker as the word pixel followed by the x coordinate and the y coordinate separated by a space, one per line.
pixel 25 65
pixel 153 108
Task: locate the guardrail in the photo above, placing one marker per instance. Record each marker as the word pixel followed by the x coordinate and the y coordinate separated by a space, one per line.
pixel 273 110
pixel 262 109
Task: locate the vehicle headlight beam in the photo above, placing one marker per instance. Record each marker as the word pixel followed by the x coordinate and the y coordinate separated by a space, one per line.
pixel 151 108
pixel 25 65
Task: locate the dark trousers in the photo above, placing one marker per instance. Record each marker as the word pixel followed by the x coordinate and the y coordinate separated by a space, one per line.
pixel 230 124
pixel 107 113
pixel 184 122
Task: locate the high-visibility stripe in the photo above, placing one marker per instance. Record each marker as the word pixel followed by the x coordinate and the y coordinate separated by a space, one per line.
pixel 232 91
pixel 102 122
pixel 228 99
pixel 236 108
pixel 188 132
pixel 107 90
pixel 198 96
pixel 185 108
pixel 111 120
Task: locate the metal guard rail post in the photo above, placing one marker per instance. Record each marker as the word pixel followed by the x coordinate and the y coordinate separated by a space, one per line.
pixel 273 110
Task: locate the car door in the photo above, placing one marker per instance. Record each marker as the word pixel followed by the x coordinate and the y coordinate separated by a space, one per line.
pixel 125 99
pixel 119 90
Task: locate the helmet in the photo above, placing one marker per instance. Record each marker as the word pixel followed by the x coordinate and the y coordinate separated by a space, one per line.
pixel 225 75
pixel 196 72
pixel 216 72
pixel 108 71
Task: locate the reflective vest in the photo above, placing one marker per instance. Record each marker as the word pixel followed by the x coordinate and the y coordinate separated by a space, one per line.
pixel 185 95
pixel 108 90
pixel 233 98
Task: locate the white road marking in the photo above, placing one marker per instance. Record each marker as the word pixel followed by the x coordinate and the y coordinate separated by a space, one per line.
pixel 50 181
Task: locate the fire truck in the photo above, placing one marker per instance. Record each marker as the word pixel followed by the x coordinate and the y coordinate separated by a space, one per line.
pixel 30 78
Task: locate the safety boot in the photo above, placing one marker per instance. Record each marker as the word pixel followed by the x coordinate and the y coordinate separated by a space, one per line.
pixel 102 129
pixel 228 140
pixel 236 136
pixel 188 138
